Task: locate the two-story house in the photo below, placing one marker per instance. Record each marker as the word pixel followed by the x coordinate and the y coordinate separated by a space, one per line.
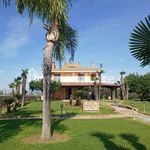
pixel 73 76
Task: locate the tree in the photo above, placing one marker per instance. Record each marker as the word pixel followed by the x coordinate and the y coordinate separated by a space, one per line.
pixel 24 80
pixel 55 85
pixel 140 42
pixel 16 102
pixel 37 85
pixel 122 85
pixel 8 102
pixel 100 82
pixel 17 82
pixel 140 84
pixel 54 15
pixel 12 86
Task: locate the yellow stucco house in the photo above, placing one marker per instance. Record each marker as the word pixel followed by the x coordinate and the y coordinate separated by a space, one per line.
pixel 72 77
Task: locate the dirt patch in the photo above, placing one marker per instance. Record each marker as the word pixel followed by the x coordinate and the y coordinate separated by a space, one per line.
pixel 36 139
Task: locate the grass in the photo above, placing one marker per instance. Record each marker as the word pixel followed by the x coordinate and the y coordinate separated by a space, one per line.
pixel 34 108
pixel 105 134
pixel 138 104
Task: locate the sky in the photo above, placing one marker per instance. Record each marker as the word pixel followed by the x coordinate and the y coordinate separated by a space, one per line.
pixel 104 28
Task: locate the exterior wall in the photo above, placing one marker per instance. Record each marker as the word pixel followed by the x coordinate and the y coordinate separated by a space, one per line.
pixel 73 77
pixel 60 94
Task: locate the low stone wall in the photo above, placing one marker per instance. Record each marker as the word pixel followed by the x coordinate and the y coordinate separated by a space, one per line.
pixel 90 106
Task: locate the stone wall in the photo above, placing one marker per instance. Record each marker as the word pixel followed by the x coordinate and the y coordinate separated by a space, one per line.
pixel 90 106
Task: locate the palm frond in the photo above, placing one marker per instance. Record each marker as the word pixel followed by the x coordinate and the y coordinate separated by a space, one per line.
pixel 6 2
pixel 24 72
pixel 67 41
pixel 140 42
pixel 47 10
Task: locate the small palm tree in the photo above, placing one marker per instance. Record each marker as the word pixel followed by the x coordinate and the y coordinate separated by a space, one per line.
pixel 140 42
pixel 54 15
pixel 17 82
pixel 24 80
pixel 12 86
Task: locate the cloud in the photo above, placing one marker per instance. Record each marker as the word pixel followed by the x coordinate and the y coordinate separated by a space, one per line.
pixel 15 38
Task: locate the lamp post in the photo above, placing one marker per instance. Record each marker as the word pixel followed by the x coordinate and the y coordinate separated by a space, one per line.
pixel 61 108
pixel 144 106
pixel 132 105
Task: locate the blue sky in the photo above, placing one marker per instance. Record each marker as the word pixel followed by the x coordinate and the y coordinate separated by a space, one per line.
pixel 104 29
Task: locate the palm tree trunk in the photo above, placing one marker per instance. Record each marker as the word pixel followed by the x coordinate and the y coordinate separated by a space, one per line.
pixel 13 91
pixel 96 91
pixel 126 91
pixel 60 64
pixel 23 91
pixel 52 36
pixel 18 88
pixel 122 88
pixel 100 82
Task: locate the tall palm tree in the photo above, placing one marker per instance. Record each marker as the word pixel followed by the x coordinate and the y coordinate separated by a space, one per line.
pixel 17 82
pixel 100 82
pixel 24 80
pixel 12 86
pixel 54 15
pixel 140 42
pixel 122 86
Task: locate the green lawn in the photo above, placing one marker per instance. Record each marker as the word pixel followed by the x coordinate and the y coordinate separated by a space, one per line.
pixel 138 104
pixel 34 108
pixel 104 134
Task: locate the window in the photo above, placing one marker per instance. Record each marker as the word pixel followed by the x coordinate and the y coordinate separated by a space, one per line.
pixel 57 77
pixel 93 77
pixel 81 77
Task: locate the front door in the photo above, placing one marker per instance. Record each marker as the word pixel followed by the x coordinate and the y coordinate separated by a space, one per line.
pixel 69 93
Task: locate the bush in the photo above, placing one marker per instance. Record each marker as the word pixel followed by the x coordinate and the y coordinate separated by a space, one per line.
pixel 8 102
pixel 18 96
pixel 78 94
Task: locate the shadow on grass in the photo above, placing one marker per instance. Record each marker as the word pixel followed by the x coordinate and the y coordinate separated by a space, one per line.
pixel 57 126
pixel 106 138
pixel 27 103
pixel 133 140
pixel 22 112
pixel 107 141
pixel 11 128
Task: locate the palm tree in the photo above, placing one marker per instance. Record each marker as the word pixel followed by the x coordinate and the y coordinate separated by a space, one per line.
pixel 122 86
pixel 12 86
pixel 140 42
pixel 126 91
pixel 54 15
pixel 17 82
pixel 24 80
pixel 100 82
